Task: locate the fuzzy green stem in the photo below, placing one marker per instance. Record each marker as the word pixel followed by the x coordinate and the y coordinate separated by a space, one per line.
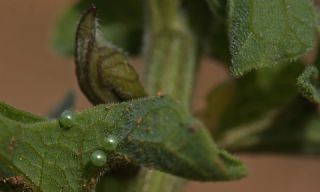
pixel 170 53
pixel 161 14
pixel 170 58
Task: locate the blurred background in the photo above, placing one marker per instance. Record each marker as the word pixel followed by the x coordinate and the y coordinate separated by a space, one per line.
pixel 34 77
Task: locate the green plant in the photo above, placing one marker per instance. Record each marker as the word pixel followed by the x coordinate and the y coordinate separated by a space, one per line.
pixel 137 136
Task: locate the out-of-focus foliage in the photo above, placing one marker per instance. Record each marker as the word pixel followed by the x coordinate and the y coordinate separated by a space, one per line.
pixel 263 113
pixel 257 94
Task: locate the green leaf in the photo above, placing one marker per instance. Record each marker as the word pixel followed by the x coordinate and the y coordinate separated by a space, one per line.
pixel 122 23
pixel 103 71
pixel 156 133
pixel 19 116
pixel 267 33
pixel 308 84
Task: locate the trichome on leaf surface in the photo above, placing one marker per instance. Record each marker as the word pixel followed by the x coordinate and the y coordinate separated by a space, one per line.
pixel 140 136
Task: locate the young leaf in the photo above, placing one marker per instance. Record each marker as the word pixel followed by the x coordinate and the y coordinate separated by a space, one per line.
pixel 266 33
pixel 157 133
pixel 308 84
pixel 103 71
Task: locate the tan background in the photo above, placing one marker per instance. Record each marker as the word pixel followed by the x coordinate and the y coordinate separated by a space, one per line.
pixel 33 77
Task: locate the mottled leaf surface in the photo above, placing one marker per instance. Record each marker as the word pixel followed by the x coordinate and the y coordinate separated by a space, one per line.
pixel 268 32
pixel 157 133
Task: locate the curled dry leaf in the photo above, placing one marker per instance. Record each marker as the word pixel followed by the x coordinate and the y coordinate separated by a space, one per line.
pixel 103 70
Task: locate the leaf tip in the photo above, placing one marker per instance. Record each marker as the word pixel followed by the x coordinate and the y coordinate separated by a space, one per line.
pixel 233 167
pixel 308 84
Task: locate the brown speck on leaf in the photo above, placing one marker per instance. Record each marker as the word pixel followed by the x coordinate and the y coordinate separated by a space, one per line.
pixel 129 139
pixel 126 158
pixel 148 130
pixel 90 185
pixel 17 182
pixel 66 188
pixel 12 144
pixel 127 109
pixel 138 120
pixel 160 94
pixel 77 153
pixel 193 128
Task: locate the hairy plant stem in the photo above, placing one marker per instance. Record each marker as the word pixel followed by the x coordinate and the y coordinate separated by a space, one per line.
pixel 170 58
pixel 169 52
